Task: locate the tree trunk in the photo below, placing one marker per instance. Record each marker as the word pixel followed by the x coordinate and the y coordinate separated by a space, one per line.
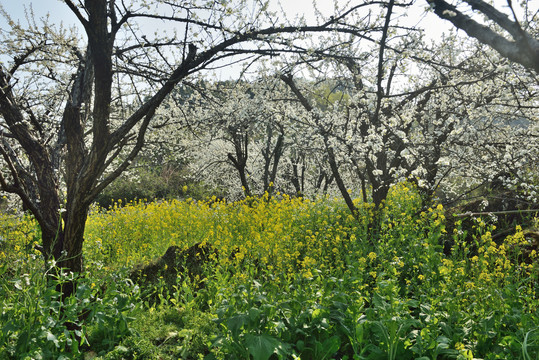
pixel 73 239
pixel 241 143
pixel 63 244
pixel 340 183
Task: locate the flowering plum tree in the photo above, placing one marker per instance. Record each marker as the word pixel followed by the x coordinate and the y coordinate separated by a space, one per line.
pixel 247 127
pixel 454 121
pixel 449 116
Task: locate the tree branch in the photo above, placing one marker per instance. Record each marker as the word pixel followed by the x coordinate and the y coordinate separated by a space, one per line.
pixel 524 50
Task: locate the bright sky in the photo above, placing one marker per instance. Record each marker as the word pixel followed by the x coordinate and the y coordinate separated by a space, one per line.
pixel 59 12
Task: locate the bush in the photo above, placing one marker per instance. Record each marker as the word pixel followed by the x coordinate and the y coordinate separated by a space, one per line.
pixel 164 182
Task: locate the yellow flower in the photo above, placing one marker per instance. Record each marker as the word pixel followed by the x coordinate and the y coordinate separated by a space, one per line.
pixel 443 270
pixel 372 256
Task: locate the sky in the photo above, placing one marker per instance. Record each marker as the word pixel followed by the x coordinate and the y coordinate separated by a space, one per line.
pixel 59 12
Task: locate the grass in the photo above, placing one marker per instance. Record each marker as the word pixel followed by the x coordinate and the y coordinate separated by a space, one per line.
pixel 292 279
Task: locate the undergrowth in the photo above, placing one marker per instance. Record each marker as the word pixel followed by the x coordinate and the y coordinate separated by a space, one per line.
pixel 292 279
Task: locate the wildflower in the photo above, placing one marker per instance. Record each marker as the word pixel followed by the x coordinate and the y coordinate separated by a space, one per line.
pixel 372 256
pixel 443 270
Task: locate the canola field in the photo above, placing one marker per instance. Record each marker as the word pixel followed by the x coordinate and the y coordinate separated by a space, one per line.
pixel 291 279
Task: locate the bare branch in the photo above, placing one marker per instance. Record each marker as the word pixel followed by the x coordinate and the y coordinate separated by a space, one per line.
pixel 524 50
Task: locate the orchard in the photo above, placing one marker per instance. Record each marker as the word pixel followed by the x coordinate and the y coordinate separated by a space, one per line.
pixel 358 188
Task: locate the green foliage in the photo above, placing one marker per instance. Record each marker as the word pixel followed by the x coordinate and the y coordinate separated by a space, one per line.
pixel 327 96
pixel 150 183
pixel 38 324
pixel 291 279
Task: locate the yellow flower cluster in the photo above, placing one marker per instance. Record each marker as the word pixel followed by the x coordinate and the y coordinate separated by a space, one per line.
pixel 288 235
pixel 18 237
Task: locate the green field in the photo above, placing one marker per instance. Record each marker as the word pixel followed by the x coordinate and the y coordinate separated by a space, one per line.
pixel 285 278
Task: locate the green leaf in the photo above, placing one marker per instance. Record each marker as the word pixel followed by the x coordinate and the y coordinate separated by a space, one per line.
pixel 332 345
pixel 329 347
pixel 254 314
pixel 262 346
pixel 379 302
pixel 235 323
pixel 9 327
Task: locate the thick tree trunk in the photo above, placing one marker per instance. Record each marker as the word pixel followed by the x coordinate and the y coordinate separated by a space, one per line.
pixel 298 177
pixel 48 213
pixel 379 194
pixel 73 239
pixel 63 244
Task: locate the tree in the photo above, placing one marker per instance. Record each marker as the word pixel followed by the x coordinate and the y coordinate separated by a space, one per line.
pixel 246 126
pixel 74 112
pixel 523 47
pixel 361 130
pixel 450 122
